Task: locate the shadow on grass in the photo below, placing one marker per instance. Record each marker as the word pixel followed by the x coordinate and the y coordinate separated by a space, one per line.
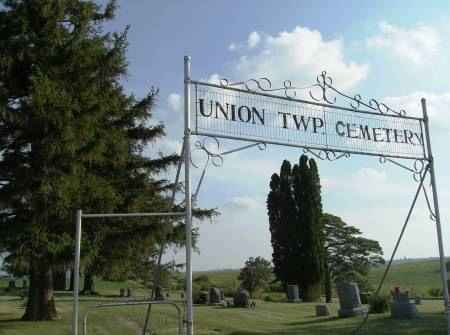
pixel 314 321
pixel 427 324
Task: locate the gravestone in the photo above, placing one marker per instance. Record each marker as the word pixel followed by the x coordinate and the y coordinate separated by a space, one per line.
pixel 349 300
pixel 129 292
pixel 241 298
pixel 292 293
pixel 11 285
pixel 122 292
pixel 215 295
pixel 322 310
pixel 401 307
pixel 24 284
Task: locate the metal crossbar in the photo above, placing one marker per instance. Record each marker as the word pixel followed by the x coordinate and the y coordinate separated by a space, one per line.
pixel 127 215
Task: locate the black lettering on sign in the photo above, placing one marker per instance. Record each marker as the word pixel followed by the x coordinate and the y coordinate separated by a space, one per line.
pixel 339 128
pixel 202 108
pixel 284 118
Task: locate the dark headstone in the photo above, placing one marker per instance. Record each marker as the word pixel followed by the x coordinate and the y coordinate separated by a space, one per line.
pixel 24 283
pixel 322 310
pixel 241 298
pixel 129 292
pixel 11 284
pixel 122 292
pixel 203 297
pixel 349 300
pixel 215 295
pixel 292 293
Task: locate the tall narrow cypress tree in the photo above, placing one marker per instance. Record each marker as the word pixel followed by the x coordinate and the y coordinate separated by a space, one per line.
pixel 307 195
pixel 295 208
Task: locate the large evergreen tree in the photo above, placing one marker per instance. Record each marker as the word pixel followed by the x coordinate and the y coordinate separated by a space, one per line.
pixel 295 208
pixel 70 137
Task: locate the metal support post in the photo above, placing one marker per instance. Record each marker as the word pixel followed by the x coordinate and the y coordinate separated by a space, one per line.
pixel 437 215
pixel 188 200
pixel 76 272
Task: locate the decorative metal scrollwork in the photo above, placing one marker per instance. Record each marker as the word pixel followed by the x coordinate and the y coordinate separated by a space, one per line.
pixel 325 83
pixel 417 168
pixel 265 85
pixel 211 147
pixel 328 155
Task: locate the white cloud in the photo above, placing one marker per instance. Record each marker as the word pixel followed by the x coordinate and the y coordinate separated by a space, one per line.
pixel 417 45
pixel 232 47
pixel 300 55
pixel 253 39
pixel 214 78
pixel 175 102
pixel 437 106
pixel 243 203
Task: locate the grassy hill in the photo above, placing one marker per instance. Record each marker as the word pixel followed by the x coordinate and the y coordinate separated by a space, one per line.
pixel 416 275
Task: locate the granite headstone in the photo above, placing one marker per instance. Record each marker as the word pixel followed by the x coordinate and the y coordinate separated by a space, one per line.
pixel 349 300
pixel 292 293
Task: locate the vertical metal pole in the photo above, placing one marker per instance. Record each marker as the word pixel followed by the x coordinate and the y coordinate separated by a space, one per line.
pixel 76 272
pixel 188 203
pixel 444 276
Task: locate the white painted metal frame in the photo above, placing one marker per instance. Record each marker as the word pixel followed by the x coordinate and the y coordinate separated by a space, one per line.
pixel 188 214
pixel 76 268
pixel 187 133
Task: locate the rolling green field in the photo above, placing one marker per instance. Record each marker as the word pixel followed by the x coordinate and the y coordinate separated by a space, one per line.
pixel 266 318
pixel 417 276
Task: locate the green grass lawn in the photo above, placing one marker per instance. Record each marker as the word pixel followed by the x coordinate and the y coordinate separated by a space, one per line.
pixel 266 318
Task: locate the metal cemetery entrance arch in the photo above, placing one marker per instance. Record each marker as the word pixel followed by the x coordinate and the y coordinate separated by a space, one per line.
pixel 251 111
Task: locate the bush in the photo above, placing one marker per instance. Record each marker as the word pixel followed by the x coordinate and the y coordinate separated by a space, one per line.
pixel 435 292
pixel 198 295
pixel 378 304
pixel 268 298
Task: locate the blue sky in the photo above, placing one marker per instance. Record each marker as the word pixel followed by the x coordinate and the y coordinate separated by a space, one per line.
pixel 387 51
